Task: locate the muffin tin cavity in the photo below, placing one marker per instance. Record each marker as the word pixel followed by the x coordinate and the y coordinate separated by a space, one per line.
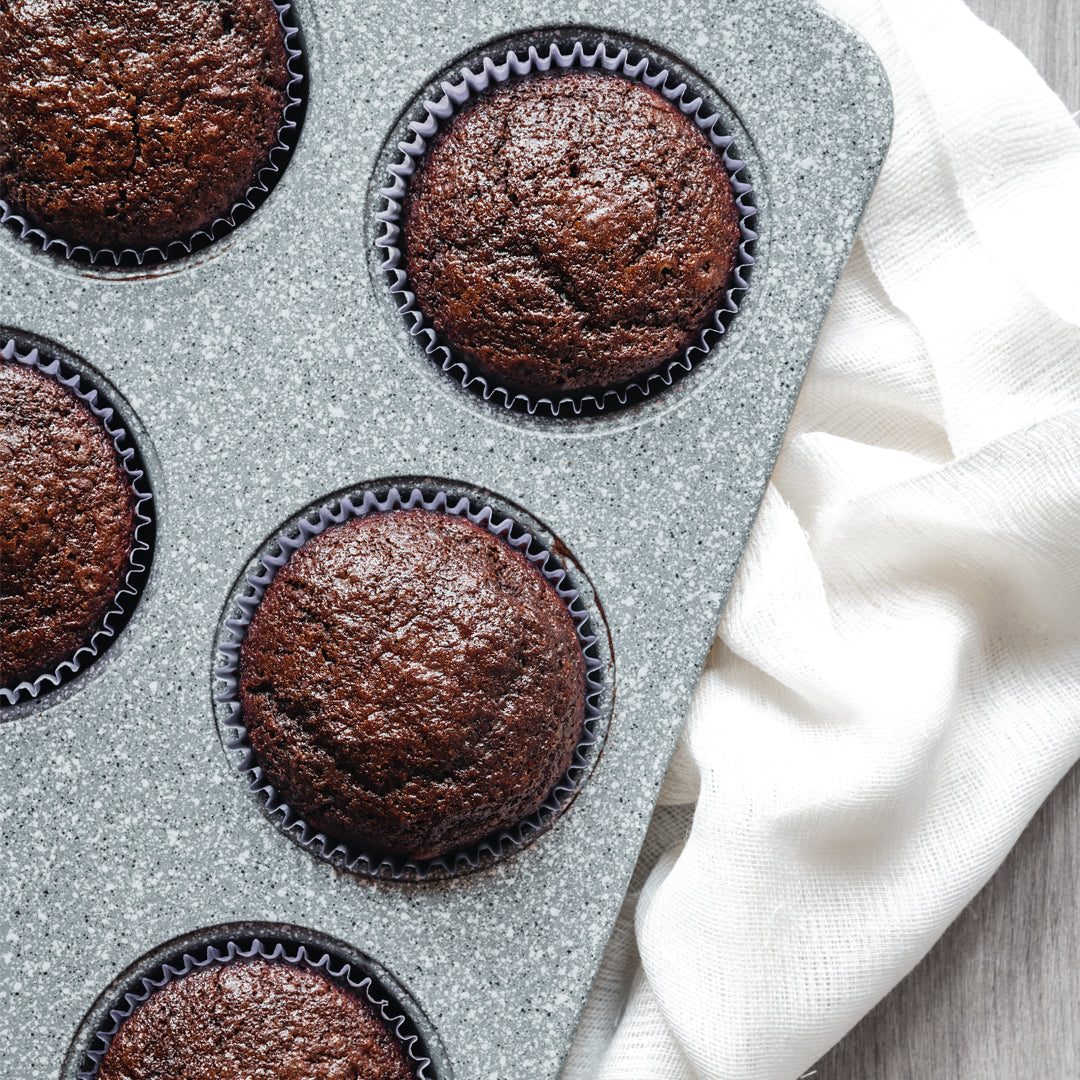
pixel 155 121
pixel 521 533
pixel 535 56
pixel 343 965
pixel 119 425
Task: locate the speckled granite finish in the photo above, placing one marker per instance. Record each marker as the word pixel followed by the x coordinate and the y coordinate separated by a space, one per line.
pixel 270 370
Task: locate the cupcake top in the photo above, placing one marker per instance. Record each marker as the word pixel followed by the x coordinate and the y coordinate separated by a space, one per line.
pixel 248 1019
pixel 67 523
pixel 132 123
pixel 570 232
pixel 411 684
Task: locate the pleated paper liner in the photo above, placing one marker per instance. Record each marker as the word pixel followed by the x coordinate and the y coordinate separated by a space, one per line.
pixel 312 957
pixel 268 175
pixel 127 595
pixel 457 95
pixel 377 864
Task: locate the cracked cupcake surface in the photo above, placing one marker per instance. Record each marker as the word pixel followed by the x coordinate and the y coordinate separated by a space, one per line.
pixel 247 1019
pixel 411 684
pixel 128 124
pixel 67 524
pixel 570 232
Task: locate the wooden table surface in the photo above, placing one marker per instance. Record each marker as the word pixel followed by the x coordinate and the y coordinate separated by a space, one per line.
pixel 1048 31
pixel 998 997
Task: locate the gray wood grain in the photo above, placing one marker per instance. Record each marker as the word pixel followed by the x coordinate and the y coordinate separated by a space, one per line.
pixel 997 997
pixel 1048 32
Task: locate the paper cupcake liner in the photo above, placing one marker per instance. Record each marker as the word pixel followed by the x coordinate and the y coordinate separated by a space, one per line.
pixel 276 158
pixel 397 1023
pixel 472 83
pixel 290 821
pixel 128 593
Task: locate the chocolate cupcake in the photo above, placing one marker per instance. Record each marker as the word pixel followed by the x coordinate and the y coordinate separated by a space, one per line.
pixel 253 1018
pixel 130 124
pixel 67 524
pixel 570 232
pixel 411 684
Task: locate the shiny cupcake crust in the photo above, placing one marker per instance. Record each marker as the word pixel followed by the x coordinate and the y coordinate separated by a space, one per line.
pixel 570 232
pixel 67 523
pixel 129 123
pixel 410 683
pixel 246 1018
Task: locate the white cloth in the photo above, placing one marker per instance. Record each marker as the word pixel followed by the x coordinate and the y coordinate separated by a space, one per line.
pixel 896 683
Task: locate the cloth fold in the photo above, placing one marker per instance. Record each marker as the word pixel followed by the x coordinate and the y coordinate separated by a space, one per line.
pixel 894 688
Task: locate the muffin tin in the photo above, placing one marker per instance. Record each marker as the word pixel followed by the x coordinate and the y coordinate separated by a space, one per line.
pixel 270 371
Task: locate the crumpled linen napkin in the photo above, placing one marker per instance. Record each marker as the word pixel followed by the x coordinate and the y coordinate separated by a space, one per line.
pixel 895 686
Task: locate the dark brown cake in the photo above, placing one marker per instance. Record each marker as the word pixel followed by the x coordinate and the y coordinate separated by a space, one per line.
pixel 410 683
pixel 67 523
pixel 252 1019
pixel 131 123
pixel 570 232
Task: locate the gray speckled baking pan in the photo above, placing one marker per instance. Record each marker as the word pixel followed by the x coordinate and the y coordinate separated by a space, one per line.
pixel 271 370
